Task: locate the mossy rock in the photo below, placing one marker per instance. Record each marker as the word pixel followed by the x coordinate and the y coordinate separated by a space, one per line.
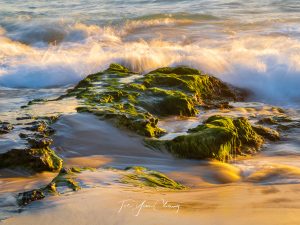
pixel 219 138
pixel 268 121
pixel 267 133
pixel 27 197
pixel 5 127
pixel 138 105
pixel 40 126
pixel 204 88
pixel 143 177
pixel 65 179
pixel 34 159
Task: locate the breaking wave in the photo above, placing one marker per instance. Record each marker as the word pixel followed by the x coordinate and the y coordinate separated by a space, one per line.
pixel 42 55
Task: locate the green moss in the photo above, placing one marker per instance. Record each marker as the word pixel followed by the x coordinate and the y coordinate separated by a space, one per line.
pixel 143 124
pixel 66 179
pixel 137 105
pixel 143 177
pixel 203 87
pixel 35 159
pixel 219 137
pixel 114 67
pixel 166 102
pixel 181 70
pixel 27 197
pixel 136 87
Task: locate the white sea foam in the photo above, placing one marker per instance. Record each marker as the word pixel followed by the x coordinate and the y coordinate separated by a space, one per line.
pixel 268 65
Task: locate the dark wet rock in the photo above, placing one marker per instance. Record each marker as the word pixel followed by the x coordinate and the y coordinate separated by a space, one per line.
pixel 49 119
pixel 23 135
pixel 5 127
pixel 275 120
pixel 267 133
pixel 28 117
pixel 33 159
pixel 27 197
pixel 219 138
pixel 39 143
pixel 268 121
pixel 66 178
pixel 35 101
pixel 40 126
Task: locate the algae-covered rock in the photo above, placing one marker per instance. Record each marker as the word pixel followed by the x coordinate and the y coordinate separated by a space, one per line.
pixel 64 180
pixel 141 177
pixel 268 121
pixel 204 88
pixel 39 142
pixel 34 159
pixel 37 156
pixel 5 127
pixel 138 103
pixel 219 137
pixel 267 133
pixel 27 197
pixel 41 127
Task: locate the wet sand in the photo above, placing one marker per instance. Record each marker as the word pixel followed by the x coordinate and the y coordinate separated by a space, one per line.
pixel 258 190
pixel 218 205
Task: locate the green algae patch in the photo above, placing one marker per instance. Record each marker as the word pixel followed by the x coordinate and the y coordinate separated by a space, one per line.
pixel 65 180
pixel 143 177
pixel 220 138
pixel 37 156
pixel 27 197
pixel 33 159
pixel 139 103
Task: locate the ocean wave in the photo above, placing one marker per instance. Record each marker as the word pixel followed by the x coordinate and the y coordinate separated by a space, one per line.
pixel 268 65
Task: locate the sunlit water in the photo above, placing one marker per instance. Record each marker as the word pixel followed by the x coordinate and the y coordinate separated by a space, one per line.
pixel 253 44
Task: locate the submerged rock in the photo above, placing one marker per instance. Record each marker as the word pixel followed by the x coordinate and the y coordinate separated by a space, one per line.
pixel 268 121
pixel 64 179
pixel 137 103
pixel 5 127
pixel 267 133
pixel 27 197
pixel 219 137
pixel 141 177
